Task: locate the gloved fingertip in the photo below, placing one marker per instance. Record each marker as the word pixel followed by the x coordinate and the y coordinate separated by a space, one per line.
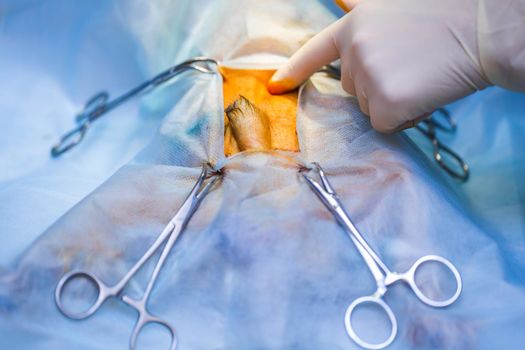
pixel 342 5
pixel 346 5
pixel 277 85
pixel 383 123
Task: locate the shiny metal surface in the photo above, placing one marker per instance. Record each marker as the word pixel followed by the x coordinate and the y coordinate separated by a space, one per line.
pixel 444 155
pixel 170 234
pixel 99 104
pixel 383 276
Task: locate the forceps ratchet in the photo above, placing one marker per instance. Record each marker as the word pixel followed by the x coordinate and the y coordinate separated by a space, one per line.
pixel 170 233
pixel 383 276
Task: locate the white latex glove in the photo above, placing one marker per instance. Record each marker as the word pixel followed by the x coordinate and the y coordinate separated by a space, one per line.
pixel 404 58
pixel 501 37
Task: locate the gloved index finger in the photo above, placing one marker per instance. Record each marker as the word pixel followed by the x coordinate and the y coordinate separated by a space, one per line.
pixel 316 53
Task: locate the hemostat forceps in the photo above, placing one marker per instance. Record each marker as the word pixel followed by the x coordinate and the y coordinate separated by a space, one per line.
pixel 98 104
pixel 170 234
pixel 382 275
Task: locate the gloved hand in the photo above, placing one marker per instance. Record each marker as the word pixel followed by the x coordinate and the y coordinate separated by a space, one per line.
pixel 401 58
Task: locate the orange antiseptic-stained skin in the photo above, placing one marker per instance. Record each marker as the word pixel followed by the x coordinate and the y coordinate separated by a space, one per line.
pixel 281 110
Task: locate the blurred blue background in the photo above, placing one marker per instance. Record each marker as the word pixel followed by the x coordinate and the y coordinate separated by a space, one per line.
pixel 56 53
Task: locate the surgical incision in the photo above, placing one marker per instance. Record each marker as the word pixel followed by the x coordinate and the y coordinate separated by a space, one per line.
pixel 255 119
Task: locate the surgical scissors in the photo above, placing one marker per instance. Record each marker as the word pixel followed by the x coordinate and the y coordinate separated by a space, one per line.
pixel 99 103
pixel 382 275
pixel 170 233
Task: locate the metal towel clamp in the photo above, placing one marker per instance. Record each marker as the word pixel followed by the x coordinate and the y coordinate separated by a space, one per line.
pixel 99 104
pixel 428 128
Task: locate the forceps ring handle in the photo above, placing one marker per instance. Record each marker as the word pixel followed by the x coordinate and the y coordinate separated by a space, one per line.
pixel 70 139
pixel 463 173
pixel 409 277
pixel 103 292
pixel 93 108
pixel 352 333
pixel 145 319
